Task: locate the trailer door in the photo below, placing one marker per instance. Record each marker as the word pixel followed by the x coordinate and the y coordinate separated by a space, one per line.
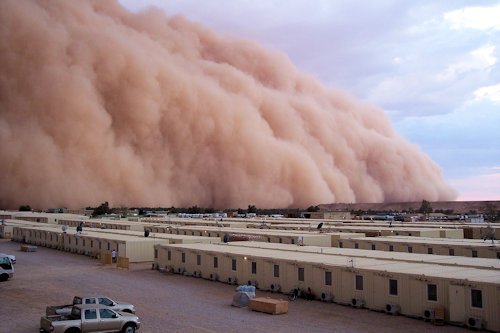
pixel 457 303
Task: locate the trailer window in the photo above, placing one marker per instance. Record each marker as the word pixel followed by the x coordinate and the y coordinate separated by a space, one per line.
pixel 356 245
pixel 410 249
pixel 476 298
pixel 183 257
pixel 393 287
pixel 233 264
pixel 328 278
pixel 254 267
pixel 301 274
pixel 216 262
pixel 276 271
pixel 432 292
pixel 169 255
pixel 429 250
pixel 451 252
pixel 391 248
pixel 373 247
pixel 198 259
pixel 359 282
pixel 474 253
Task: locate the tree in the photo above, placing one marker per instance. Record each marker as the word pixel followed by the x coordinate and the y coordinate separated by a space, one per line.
pixel 252 209
pixel 194 210
pixel 313 209
pixel 102 209
pixel 25 208
pixel 425 207
pixel 491 213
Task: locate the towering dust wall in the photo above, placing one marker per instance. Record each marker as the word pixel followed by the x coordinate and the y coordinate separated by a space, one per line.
pixel 97 103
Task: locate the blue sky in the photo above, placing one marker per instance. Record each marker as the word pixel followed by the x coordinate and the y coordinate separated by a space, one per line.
pixel 433 66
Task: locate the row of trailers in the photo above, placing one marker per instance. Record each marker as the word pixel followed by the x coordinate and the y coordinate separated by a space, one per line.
pixel 469 293
pixel 131 245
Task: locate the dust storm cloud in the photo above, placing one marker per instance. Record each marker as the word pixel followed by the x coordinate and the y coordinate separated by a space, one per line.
pixel 141 109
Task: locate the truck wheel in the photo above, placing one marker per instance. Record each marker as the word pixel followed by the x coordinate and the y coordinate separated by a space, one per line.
pixel 4 277
pixel 72 330
pixel 129 328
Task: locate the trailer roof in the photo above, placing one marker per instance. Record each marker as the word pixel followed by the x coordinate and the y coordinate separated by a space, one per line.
pixel 351 263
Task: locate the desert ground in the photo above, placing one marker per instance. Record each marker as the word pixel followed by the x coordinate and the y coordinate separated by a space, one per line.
pixel 169 303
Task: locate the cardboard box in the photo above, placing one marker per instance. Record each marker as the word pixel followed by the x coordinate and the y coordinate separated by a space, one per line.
pixel 28 248
pixel 269 305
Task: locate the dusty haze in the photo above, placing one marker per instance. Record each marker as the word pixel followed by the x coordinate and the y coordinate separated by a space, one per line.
pixel 100 104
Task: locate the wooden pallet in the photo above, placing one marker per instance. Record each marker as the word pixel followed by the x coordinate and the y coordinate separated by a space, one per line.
pixel 269 305
pixel 439 315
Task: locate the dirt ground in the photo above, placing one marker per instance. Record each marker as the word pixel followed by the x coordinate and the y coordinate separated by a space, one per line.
pixel 169 303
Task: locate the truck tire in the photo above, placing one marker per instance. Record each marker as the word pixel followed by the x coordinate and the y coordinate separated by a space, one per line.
pixel 129 328
pixel 4 277
pixel 72 330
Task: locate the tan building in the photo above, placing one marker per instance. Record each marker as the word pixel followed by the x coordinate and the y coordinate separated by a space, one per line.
pixel 470 296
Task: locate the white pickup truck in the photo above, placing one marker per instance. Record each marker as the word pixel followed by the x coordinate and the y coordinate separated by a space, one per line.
pixel 88 318
pixel 102 300
pixel 6 267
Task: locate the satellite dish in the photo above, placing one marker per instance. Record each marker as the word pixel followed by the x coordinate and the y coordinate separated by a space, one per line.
pixel 146 233
pixel 64 227
pixel 320 226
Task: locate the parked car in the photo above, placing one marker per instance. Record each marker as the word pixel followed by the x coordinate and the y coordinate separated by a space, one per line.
pixel 11 256
pixel 102 300
pixel 87 318
pixel 6 267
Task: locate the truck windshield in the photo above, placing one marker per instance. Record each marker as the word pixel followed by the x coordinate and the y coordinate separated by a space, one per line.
pixel 5 263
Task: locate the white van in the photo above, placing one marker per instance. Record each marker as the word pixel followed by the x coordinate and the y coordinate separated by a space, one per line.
pixel 6 267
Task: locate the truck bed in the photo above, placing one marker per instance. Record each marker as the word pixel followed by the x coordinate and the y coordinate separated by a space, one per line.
pixel 58 309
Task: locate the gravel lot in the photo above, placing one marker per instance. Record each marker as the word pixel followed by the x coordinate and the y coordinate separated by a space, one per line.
pixel 169 303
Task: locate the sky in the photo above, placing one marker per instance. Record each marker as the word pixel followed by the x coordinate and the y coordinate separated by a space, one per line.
pixel 433 66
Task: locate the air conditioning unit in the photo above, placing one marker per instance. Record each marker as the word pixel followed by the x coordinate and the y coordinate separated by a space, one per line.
pixel 357 302
pixel 186 273
pixel 392 308
pixel 214 277
pixel 253 283
pixel 197 274
pixel 275 287
pixel 475 322
pixel 429 314
pixel 326 297
pixel 232 280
